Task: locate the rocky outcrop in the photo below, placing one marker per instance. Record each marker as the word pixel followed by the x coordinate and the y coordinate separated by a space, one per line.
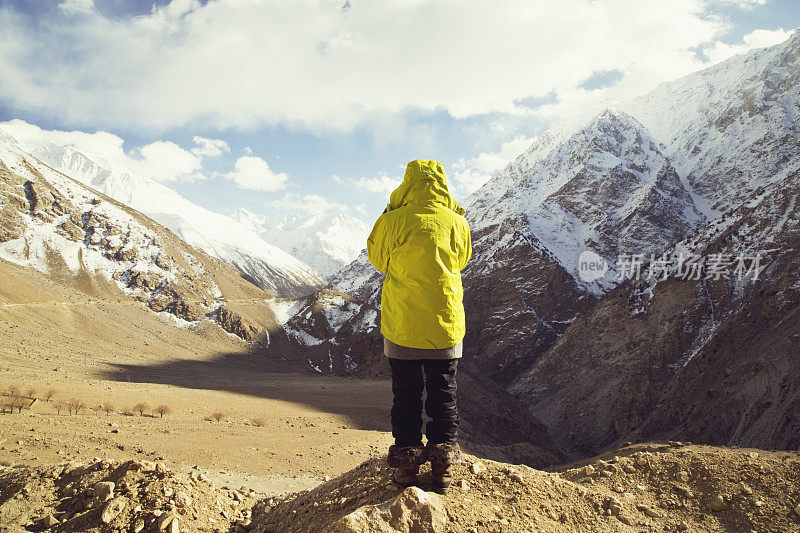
pixel 661 487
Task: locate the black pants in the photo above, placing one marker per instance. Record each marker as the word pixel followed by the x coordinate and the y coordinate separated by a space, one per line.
pixel 440 404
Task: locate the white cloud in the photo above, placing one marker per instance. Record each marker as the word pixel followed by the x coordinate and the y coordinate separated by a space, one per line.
pixel 160 160
pixel 74 7
pixel 310 203
pixel 756 39
pixel 251 172
pixel 744 4
pixel 209 147
pixel 381 184
pixel 247 150
pixel 306 63
pixel 470 174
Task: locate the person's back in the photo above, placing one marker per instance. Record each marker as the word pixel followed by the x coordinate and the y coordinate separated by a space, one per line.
pixel 422 242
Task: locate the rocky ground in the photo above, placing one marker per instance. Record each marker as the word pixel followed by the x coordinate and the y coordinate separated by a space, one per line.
pixel 647 487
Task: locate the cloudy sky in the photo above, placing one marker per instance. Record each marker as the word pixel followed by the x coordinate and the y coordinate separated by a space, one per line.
pixel 314 104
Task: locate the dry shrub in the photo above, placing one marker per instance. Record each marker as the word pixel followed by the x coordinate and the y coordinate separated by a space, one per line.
pixel 75 406
pixel 108 407
pixel 218 416
pixel 258 422
pixel 163 410
pixel 49 395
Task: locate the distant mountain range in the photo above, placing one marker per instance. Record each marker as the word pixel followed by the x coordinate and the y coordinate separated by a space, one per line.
pixel 327 241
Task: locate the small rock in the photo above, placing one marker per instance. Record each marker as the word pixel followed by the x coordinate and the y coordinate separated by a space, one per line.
pixel 164 521
pixel 497 479
pixel 588 470
pixel 112 510
pixel 625 520
pixel 477 467
pixel 138 526
pixel 563 518
pixel 173 526
pixel 463 485
pixel 246 524
pixel 619 488
pixel 630 469
pixel 641 460
pixel 747 490
pixel 797 510
pixel 103 491
pixel 683 526
pixel 716 503
pixel 326 478
pixel 682 476
pixel 50 521
pixel 183 500
pixel 614 505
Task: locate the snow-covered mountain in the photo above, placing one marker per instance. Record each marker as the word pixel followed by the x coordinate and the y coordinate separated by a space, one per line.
pixel 79 237
pixel 731 128
pixel 327 241
pixel 262 263
pixel 605 187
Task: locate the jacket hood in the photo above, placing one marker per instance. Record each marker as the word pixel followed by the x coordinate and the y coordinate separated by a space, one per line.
pixel 424 183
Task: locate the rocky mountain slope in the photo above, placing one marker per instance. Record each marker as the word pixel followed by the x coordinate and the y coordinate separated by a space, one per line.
pixel 219 236
pixel 67 231
pixel 711 360
pixel 327 241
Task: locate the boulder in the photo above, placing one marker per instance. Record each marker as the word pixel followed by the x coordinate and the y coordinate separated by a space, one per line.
pixel 413 510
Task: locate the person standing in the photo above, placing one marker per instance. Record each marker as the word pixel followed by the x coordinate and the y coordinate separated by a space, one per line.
pixel 421 243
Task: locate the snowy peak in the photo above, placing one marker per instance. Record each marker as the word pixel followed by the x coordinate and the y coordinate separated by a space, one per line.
pixel 260 262
pixel 731 128
pixel 327 241
pixel 8 138
pixel 605 187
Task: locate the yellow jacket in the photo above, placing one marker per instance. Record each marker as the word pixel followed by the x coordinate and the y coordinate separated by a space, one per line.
pixel 422 242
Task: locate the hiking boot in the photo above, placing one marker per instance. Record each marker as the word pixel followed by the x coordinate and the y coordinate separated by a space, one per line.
pixel 406 460
pixel 405 477
pixel 442 457
pixel 442 476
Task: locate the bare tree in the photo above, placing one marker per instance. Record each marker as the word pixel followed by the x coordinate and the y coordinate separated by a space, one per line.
pixel 75 406
pixel 108 407
pixel 218 416
pixel 59 405
pixel 163 410
pixel 49 395
pixel 141 407
pixel 32 393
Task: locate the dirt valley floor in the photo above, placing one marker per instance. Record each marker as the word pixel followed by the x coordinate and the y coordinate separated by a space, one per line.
pixel 248 446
